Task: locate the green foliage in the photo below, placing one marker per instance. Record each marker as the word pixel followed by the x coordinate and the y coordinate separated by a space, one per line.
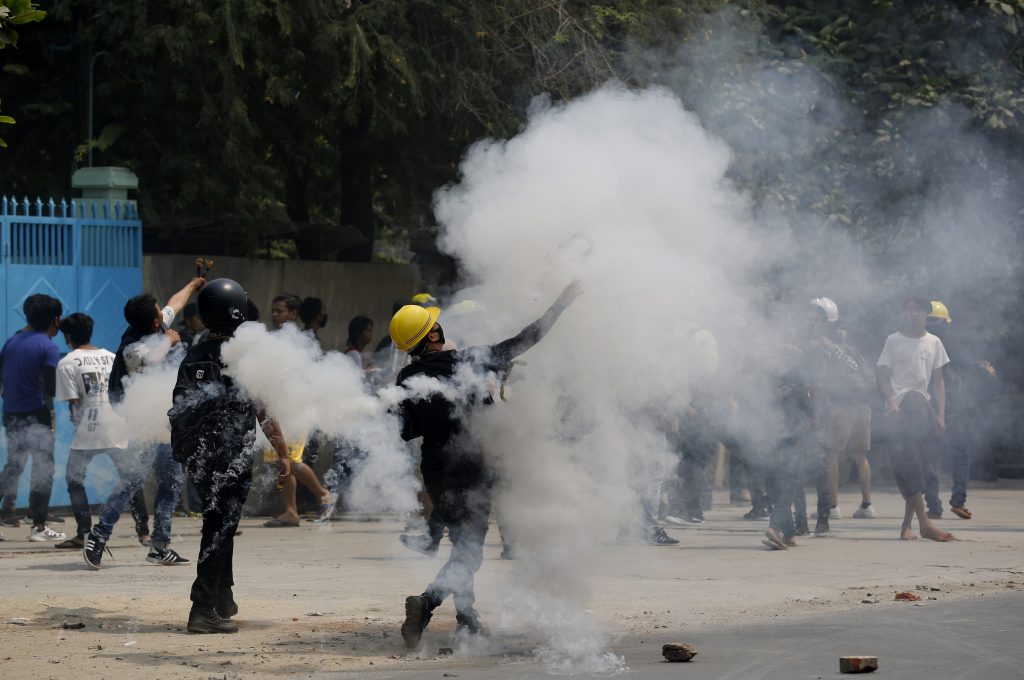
pixel 14 13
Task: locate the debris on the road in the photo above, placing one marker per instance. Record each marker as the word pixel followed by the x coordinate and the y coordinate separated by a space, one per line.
pixel 445 651
pixel 907 597
pixel 19 622
pixel 678 652
pixel 858 664
pixel 73 626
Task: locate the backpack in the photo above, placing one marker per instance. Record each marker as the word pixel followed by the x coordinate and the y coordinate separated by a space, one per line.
pixel 206 415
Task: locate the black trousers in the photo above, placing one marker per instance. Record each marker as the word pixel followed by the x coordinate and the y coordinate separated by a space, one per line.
pixel 222 479
pixel 465 512
pixel 74 475
pixel 29 435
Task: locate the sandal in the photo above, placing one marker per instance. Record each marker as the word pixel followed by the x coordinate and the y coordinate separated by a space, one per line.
pixel 773 540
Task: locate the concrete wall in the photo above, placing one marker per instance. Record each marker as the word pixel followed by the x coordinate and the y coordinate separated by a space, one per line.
pixel 347 288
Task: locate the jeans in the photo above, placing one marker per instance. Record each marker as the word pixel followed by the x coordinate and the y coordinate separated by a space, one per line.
pixel 78 462
pixel 29 435
pixel 784 481
pixel 133 466
pixel 466 513
pixel 959 451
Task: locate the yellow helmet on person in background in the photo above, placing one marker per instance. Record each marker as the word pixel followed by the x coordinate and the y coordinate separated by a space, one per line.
pixel 424 300
pixel 940 311
pixel 411 324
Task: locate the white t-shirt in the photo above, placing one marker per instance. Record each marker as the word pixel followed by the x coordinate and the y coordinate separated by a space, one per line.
pixel 135 353
pixel 83 375
pixel 912 361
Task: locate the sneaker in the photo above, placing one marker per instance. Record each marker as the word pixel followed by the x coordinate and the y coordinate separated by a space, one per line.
pixel 694 520
pixel 802 529
pixel 759 513
pixel 327 505
pixel 417 616
pixel 76 543
pixel 657 536
pixel 673 519
pixel 2 537
pixel 834 513
pixel 165 557
pixel 10 521
pixel 420 543
pixel 961 512
pixel 864 512
pixel 93 549
pixel 208 621
pixel 45 534
pixel 822 528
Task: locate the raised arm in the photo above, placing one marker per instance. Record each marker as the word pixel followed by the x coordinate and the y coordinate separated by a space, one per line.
pixel 504 352
pixel 180 299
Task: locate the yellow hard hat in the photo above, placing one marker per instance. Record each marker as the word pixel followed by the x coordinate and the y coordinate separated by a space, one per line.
pixel 410 325
pixel 466 307
pixel 424 299
pixel 939 311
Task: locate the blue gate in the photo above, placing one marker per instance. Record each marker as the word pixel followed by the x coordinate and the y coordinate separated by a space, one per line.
pixel 88 255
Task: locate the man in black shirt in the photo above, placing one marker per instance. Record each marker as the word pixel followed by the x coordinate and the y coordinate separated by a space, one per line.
pixel 213 432
pixel 454 472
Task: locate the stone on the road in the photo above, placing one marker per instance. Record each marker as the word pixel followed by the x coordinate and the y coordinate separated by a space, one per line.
pixel 678 652
pixel 858 664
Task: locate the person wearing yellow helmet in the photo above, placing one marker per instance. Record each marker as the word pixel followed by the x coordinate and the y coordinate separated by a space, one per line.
pixel 424 300
pixel 454 472
pixel 940 312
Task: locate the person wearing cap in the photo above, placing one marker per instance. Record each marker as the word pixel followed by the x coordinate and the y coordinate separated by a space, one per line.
pixel 965 380
pixel 213 433
pixel 454 472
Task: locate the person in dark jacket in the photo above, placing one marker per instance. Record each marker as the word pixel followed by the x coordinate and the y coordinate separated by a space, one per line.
pixel 213 432
pixel 454 471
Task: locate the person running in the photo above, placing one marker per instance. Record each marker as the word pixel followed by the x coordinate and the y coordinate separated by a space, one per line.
pixel 453 468
pixel 911 361
pixel 213 432
pixel 28 366
pixel 82 381
pixel 146 344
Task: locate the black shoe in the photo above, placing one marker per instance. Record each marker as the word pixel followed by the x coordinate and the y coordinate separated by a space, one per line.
pixel 165 557
pixel 821 528
pixel 420 543
pixel 417 615
pixel 226 606
pixel 468 623
pixel 757 513
pixel 93 549
pixel 657 536
pixel 802 529
pixel 74 543
pixel 10 521
pixel 208 621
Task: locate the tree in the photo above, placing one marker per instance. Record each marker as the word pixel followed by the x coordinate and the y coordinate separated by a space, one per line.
pixel 14 13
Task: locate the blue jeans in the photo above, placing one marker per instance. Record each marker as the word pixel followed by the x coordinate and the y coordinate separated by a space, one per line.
pixel 133 466
pixel 958 448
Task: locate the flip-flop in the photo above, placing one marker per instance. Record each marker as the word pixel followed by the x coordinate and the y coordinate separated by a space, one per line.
pixel 772 545
pixel 278 523
pixel 774 539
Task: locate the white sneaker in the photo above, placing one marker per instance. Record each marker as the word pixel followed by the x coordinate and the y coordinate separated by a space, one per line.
pixel 672 519
pixel 2 537
pixel 45 534
pixel 864 513
pixel 835 513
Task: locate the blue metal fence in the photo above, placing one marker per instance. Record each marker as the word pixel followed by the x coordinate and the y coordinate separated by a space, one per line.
pixel 88 255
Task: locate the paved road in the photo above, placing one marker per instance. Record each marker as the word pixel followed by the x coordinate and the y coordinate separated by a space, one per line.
pixel 975 639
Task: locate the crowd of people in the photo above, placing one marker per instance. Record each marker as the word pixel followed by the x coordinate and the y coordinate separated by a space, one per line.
pixel 820 391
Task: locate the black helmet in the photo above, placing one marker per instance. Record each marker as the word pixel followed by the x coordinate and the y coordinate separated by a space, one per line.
pixel 223 304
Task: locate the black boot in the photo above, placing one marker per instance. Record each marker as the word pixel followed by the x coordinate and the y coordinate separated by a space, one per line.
pixel 418 610
pixel 468 622
pixel 226 606
pixel 208 621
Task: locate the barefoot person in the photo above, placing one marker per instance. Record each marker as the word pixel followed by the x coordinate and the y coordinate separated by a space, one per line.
pixel 911 360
